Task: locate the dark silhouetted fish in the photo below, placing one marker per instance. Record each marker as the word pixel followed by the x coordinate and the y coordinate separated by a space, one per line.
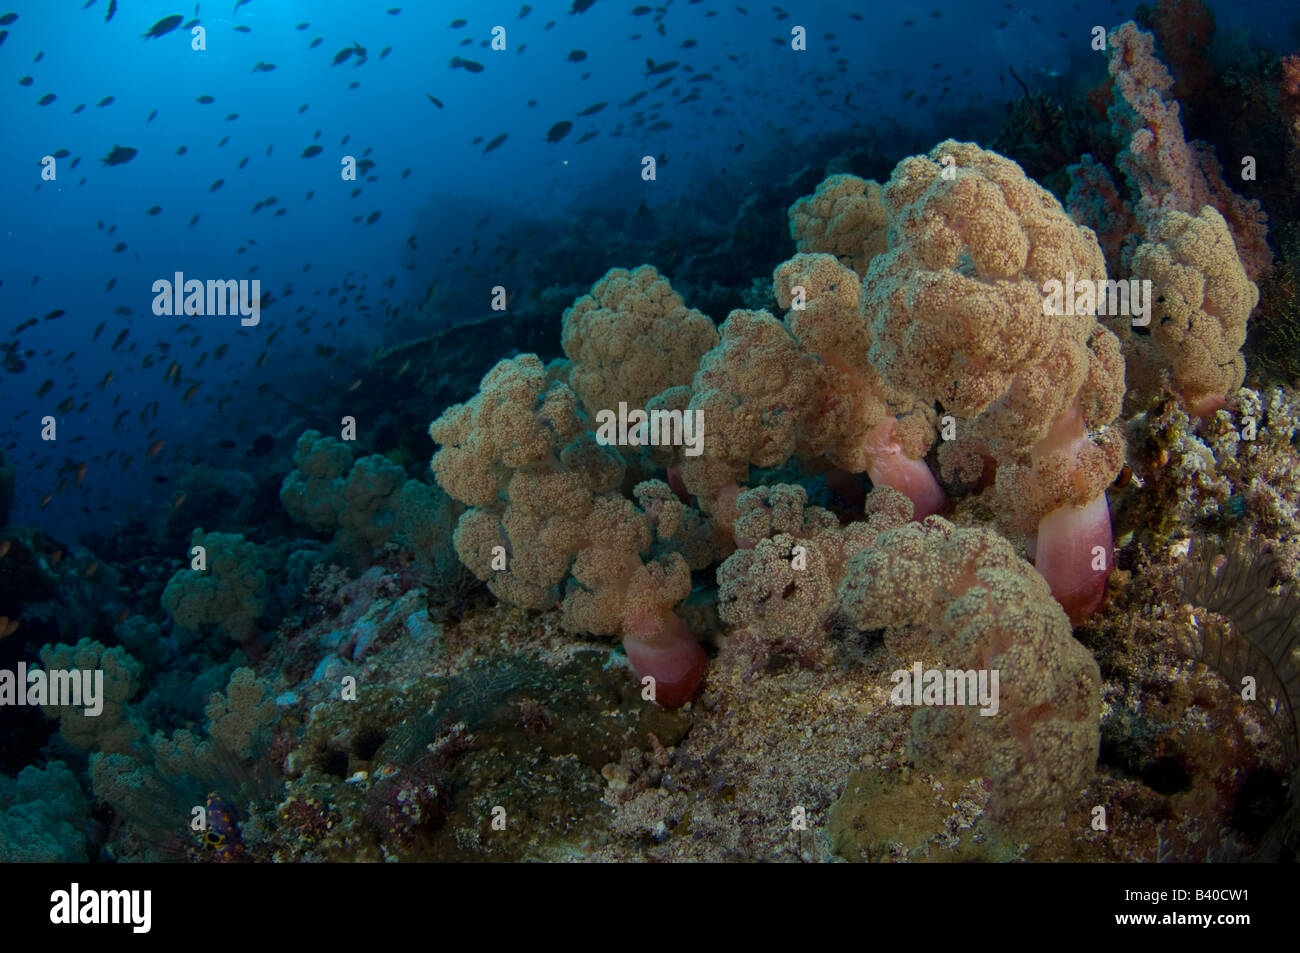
pixel 262 67
pixel 62 154
pixel 457 24
pixel 342 55
pixel 119 156
pixel 496 143
pixel 592 110
pixel 311 151
pixel 25 81
pixel 8 18
pixel 157 209
pixel 46 99
pixel 164 26
pixel 577 56
pixel 560 129
pixel 112 8
pixel 435 100
pixel 581 6
pixel 458 63
pixel 216 185
pixel 315 43
pixel 205 100
pixel 151 117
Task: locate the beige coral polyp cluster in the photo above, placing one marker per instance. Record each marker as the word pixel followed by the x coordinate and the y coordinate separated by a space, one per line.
pixel 632 338
pixel 845 217
pixel 1201 300
pixel 804 386
pixel 980 608
pixel 547 524
pixel 985 609
pixel 956 310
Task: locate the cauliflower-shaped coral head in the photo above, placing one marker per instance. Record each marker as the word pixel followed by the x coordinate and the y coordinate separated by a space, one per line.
pixel 631 339
pixel 1201 301
pixel 844 217
pixel 230 594
pixel 958 312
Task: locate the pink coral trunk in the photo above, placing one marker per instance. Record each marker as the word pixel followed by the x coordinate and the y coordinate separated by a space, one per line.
pixel 664 648
pixel 888 465
pixel 1066 556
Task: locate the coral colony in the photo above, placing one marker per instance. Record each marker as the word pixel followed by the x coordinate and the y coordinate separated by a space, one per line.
pixel 888 492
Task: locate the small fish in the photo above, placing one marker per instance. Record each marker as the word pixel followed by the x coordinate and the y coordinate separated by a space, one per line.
pixel 458 63
pixel 372 218
pixel 385 51
pixel 112 8
pixel 155 448
pixel 263 67
pixel 106 101
pixel 457 24
pixel 342 56
pixel 243 29
pixel 315 43
pixel 46 99
pixel 151 117
pixel 311 151
pixel 205 100
pixel 577 56
pixel 164 26
pixel 560 129
pixel 581 6
pixel 496 143
pixel 435 100
pixel 119 156
pixel 216 185
pixel 8 18
pixel 157 209
pixel 25 81
pixel 592 110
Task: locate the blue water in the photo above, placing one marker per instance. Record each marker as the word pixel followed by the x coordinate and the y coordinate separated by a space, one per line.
pixel 58 253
